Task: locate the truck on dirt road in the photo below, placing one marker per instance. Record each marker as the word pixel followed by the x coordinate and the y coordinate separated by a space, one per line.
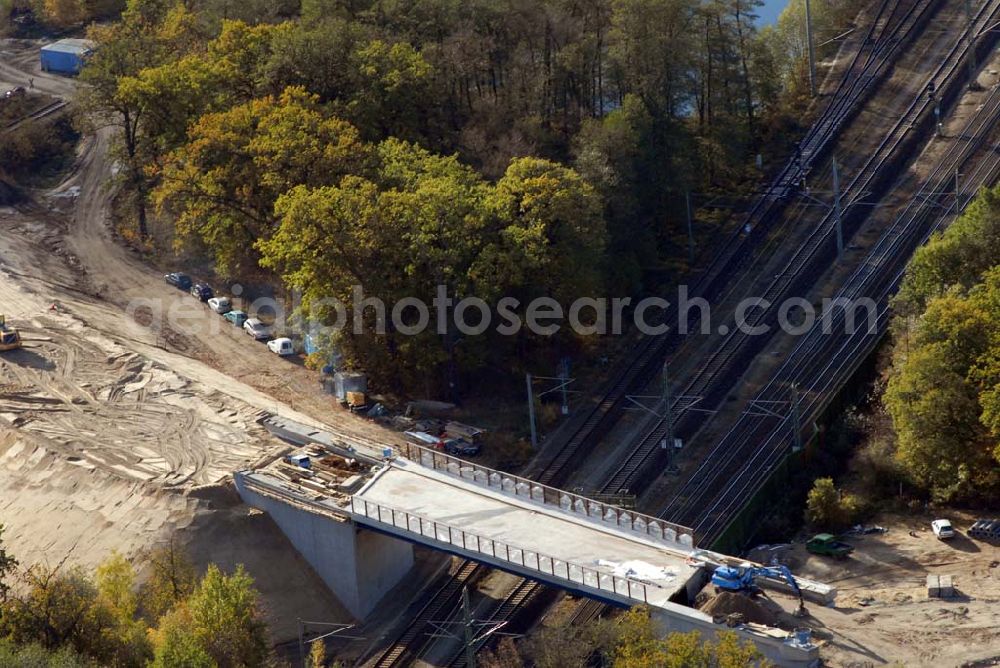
pixel 827 545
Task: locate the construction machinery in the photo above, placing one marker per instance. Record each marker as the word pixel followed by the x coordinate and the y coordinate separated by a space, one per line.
pixel 743 579
pixel 10 339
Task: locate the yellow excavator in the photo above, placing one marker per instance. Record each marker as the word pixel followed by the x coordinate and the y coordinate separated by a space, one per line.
pixel 10 339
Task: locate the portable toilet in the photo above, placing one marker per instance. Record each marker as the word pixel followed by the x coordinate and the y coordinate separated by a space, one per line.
pixel 309 345
pixel 66 56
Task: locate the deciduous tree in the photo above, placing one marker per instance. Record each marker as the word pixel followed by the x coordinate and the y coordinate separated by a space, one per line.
pixel 124 49
pixel 226 619
pixel 224 182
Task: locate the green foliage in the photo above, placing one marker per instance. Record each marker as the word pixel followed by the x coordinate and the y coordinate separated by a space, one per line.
pixel 553 233
pixel 426 221
pixel 149 33
pixel 272 143
pixel 172 580
pixel 629 641
pixel 653 43
pixel 317 654
pixel 63 618
pixel 828 508
pixel 57 608
pixel 226 619
pixel 125 636
pixel 36 656
pixel 640 646
pixel 37 148
pixel 942 394
pixel 960 256
pixel 66 608
pixel 611 153
pixel 176 643
pixel 394 81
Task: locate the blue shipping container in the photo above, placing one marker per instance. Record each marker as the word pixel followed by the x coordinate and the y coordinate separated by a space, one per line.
pixel 65 56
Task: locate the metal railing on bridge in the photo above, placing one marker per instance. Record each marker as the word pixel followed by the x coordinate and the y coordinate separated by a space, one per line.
pixel 530 560
pixel 646 526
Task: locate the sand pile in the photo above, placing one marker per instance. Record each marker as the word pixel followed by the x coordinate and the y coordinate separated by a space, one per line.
pixel 728 603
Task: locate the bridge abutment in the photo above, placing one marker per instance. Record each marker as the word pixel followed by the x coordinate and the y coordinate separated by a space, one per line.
pixel 359 566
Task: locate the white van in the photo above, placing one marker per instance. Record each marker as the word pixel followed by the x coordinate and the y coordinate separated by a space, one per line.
pixel 281 347
pixel 942 529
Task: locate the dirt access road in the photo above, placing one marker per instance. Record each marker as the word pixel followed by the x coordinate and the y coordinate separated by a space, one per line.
pixel 882 615
pixel 118 432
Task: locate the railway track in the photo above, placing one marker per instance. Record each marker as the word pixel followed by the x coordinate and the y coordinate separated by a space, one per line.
pixel 433 608
pixel 759 443
pixel 38 114
pixel 690 501
pixel 517 596
pixel 892 28
pixel 727 361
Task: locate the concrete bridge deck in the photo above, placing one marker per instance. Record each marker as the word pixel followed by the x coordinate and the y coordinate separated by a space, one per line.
pixel 520 534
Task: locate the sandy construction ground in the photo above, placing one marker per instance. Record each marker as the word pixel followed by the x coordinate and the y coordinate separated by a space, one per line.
pixel 120 432
pixel 883 615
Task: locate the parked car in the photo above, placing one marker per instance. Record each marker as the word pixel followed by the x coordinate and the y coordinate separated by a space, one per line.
pixel 236 317
pixel 460 448
pixel 943 529
pixel 281 347
pixel 423 438
pixel 178 280
pixel 202 291
pixel 220 305
pixel 258 330
pixel 827 545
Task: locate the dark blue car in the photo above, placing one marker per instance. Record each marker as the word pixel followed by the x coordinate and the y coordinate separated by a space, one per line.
pixel 460 448
pixel 178 280
pixel 202 291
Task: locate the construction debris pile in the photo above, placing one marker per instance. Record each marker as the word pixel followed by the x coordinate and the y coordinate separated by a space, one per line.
pixel 320 475
pixel 727 604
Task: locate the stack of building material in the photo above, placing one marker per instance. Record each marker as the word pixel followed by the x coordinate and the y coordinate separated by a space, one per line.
pixel 940 586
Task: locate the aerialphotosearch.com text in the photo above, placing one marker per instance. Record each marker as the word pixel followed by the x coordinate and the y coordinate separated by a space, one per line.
pixel 543 316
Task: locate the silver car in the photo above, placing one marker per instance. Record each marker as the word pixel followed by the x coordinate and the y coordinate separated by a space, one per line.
pixel 220 305
pixel 258 330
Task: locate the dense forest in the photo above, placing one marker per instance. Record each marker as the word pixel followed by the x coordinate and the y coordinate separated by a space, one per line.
pixel 520 148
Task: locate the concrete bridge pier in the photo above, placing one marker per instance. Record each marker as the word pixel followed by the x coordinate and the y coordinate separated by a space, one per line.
pixel 359 566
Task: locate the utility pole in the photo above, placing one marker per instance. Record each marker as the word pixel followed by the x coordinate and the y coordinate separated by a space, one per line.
pixel 467 631
pixel 972 44
pixel 796 420
pixel 838 211
pixel 932 93
pixel 337 627
pixel 531 413
pixel 668 416
pixel 563 383
pixel 690 221
pixel 812 49
pixel 474 631
pixel 302 642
